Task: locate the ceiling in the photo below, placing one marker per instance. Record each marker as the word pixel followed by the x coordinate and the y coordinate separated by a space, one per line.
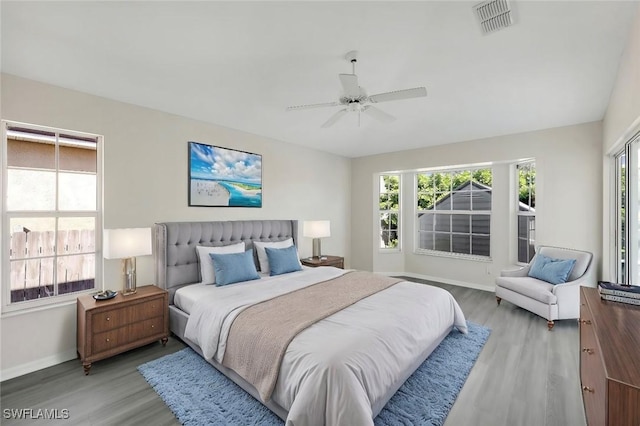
pixel 240 64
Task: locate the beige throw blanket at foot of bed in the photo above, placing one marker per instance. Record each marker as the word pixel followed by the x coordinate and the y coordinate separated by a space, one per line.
pixel 260 335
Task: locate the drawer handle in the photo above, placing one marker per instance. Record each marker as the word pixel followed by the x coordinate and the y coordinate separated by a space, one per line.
pixel 588 322
pixel 108 318
pixel 588 350
pixel 587 389
pixel 152 326
pixel 108 339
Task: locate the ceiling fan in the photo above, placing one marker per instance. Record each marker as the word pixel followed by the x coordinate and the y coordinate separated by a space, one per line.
pixel 355 99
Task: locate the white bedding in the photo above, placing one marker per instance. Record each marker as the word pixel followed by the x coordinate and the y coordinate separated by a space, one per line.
pixel 187 296
pixel 339 370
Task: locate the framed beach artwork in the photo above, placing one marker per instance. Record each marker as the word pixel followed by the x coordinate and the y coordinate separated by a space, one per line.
pixel 223 177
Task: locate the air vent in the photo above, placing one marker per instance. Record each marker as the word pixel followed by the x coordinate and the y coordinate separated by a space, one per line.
pixel 494 15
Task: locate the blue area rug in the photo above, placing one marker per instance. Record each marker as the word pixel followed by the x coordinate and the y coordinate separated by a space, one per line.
pixel 199 395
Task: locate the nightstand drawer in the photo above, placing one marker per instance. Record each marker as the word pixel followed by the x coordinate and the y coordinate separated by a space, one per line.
pixel 116 318
pixel 146 328
pixel 145 310
pixel 108 340
pixel 109 320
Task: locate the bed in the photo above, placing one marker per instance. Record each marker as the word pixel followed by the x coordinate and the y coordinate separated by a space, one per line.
pixel 340 369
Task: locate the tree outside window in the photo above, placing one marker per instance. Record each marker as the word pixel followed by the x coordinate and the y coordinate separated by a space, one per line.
pixel 389 211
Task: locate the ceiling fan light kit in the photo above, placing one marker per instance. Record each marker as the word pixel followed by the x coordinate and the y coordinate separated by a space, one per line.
pixel 355 99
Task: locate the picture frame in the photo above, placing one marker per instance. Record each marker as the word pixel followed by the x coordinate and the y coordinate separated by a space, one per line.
pixel 224 177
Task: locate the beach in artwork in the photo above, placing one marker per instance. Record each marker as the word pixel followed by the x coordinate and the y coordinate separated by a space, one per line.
pixel 224 177
pixel 224 193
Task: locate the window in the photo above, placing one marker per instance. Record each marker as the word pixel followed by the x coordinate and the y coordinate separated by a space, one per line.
pixel 51 214
pixel 526 210
pixel 627 213
pixel 389 211
pixel 453 211
pixel 621 217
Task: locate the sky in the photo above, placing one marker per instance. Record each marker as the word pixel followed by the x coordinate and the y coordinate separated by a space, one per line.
pixel 209 162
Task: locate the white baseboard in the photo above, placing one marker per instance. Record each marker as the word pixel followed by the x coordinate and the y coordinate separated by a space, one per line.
pixel 441 280
pixel 36 365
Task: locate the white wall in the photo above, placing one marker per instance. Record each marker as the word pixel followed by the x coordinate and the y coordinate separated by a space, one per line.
pixel 624 104
pixel 621 121
pixel 145 181
pixel 568 211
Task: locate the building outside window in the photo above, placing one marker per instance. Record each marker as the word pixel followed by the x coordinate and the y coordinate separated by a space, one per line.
pixel 51 213
pixel 389 211
pixel 526 175
pixel 453 212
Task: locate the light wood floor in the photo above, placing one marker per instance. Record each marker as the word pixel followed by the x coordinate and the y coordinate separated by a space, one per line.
pixel 525 375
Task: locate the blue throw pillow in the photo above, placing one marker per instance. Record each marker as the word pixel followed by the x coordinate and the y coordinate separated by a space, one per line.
pixel 554 271
pixel 234 267
pixel 283 260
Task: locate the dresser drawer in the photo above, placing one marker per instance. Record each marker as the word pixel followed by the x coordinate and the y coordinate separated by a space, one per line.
pixel 592 373
pixel 609 364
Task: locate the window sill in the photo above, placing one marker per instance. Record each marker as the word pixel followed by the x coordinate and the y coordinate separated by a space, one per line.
pixel 458 256
pixel 31 306
pixel 390 251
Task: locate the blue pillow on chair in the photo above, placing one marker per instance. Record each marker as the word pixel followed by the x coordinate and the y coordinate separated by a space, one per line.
pixel 234 267
pixel 554 271
pixel 284 260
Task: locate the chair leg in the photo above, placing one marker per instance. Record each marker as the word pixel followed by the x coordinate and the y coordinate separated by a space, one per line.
pixel 498 299
pixel 550 324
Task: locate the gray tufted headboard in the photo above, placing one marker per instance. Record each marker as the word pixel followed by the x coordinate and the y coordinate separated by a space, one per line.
pixel 174 245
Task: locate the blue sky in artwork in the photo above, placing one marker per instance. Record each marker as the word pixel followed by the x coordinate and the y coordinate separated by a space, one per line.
pixel 214 163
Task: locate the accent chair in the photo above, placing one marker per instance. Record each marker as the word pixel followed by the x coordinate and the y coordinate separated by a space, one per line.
pixel 550 301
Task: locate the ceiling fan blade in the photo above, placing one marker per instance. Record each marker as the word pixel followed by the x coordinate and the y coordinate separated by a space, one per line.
pixel 350 85
pixel 335 117
pixel 378 114
pixel 397 95
pixel 310 106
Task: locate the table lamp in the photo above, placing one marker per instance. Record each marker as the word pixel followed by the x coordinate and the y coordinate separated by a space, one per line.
pixel 126 244
pixel 316 229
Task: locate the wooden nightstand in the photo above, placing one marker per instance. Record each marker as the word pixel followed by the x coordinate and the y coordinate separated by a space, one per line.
pixel 109 327
pixel 336 261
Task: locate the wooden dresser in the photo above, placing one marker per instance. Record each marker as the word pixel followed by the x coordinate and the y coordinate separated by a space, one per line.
pixel 609 360
pixel 110 327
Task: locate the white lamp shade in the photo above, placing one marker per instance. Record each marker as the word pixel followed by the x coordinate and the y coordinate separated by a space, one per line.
pixel 127 242
pixel 316 228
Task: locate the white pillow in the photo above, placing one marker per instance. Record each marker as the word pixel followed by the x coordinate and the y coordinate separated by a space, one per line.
pixel 207 272
pixel 263 260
